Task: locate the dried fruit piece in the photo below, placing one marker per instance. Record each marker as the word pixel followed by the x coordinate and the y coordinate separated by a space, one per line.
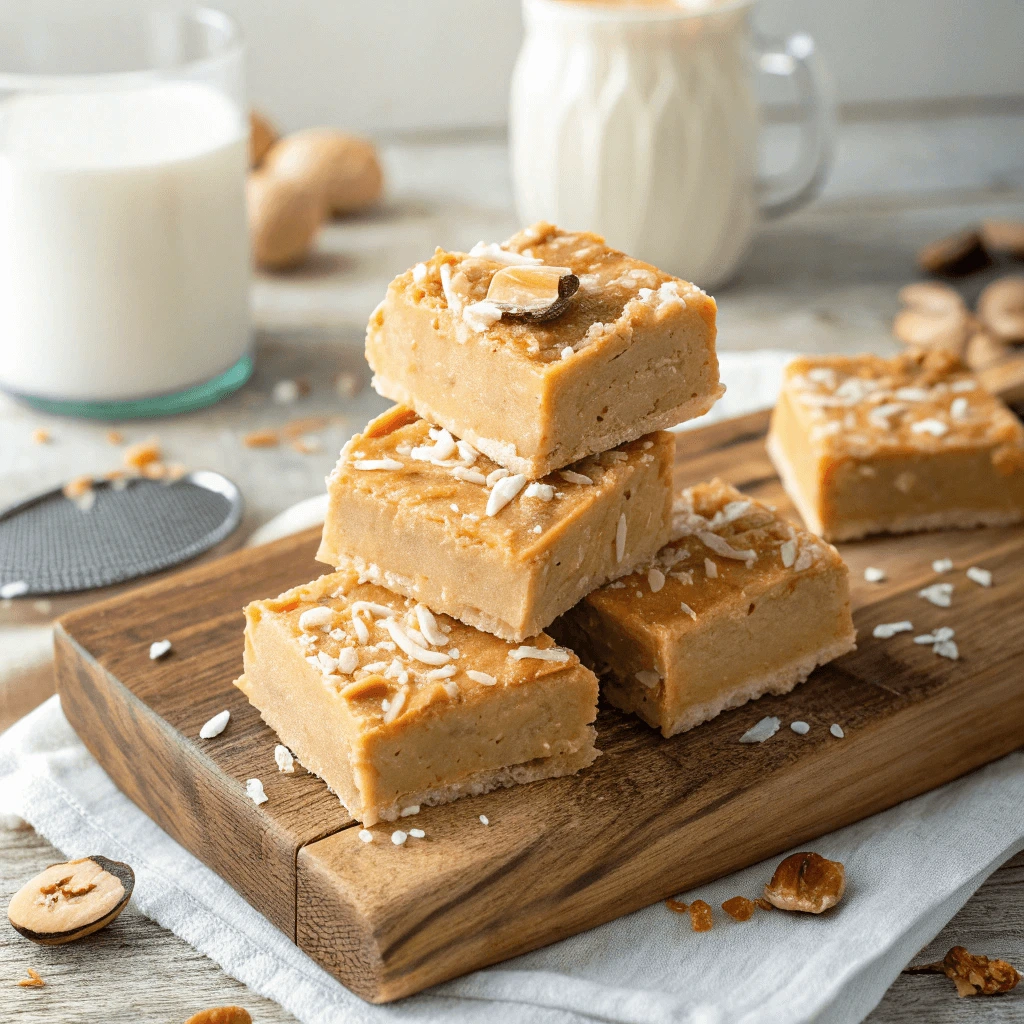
pixel 972 975
pixel 1004 236
pixel 700 916
pixel 32 981
pixel 739 908
pixel 935 317
pixel 532 293
pixel 221 1015
pixel 806 882
pixel 1001 308
pixel 955 256
pixel 70 900
pixel 677 905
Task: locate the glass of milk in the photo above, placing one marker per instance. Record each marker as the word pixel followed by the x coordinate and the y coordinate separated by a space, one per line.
pixel 124 252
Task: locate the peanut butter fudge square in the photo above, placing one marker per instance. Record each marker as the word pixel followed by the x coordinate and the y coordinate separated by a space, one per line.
pixel 545 349
pixel 870 445
pixel 393 707
pixel 425 515
pixel 740 603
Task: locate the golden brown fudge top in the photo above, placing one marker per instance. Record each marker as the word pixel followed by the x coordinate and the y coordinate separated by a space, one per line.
pixel 404 461
pixel 918 402
pixel 390 659
pixel 725 548
pixel 617 293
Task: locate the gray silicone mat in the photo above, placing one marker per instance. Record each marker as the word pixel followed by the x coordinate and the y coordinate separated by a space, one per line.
pixel 56 548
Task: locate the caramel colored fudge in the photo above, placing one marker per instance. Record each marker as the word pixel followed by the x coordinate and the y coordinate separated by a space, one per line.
pixel 740 603
pixel 870 445
pixel 421 513
pixel 393 707
pixel 532 373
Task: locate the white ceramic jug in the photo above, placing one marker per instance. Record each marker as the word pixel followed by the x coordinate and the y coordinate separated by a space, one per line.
pixel 638 121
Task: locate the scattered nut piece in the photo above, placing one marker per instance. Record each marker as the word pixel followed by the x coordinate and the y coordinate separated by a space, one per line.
pixel 677 905
pixel 762 903
pixel 935 317
pixel 77 487
pixel 34 980
pixel 340 172
pixel 985 350
pixel 261 439
pixel 700 916
pixel 954 256
pixel 114 437
pixel 262 135
pixel 137 456
pixel 1004 236
pixel 284 218
pixel 41 436
pixel 972 975
pixel 221 1015
pixel 532 293
pixel 806 882
pixel 739 908
pixel 1001 308
pixel 70 900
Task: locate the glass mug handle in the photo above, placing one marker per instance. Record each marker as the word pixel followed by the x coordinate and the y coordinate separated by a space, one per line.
pixel 794 58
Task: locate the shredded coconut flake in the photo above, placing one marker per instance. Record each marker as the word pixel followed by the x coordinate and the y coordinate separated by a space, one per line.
pixel 939 594
pixel 873 575
pixel 941 565
pixel 481 677
pixel 374 464
pixel 538 490
pixel 285 760
pixel 503 492
pixel 710 569
pixel 572 477
pixel 836 730
pixel 413 649
pixel 417 833
pixel 885 630
pixel 408 812
pixel 398 837
pixel 722 547
pixel 763 730
pixel 787 552
pixel 254 791
pixel 158 649
pixel 215 726
pixel 395 707
pixel 930 426
pixel 315 618
pixel 655 579
pixel 16 588
pixel 566 352
pixel 494 252
pixel 365 835
pixel 539 654
pixel 481 315
pixel 484 820
pixel 648 677
pixel 687 610
pixel 620 538
pixel 800 728
pixel 980 576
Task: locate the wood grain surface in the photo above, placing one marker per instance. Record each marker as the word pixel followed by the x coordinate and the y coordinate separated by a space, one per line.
pixel 650 818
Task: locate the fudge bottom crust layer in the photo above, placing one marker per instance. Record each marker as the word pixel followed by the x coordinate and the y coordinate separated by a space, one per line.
pixel 407 708
pixel 740 604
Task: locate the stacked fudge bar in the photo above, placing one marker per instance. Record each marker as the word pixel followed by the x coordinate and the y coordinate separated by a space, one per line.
pixel 524 481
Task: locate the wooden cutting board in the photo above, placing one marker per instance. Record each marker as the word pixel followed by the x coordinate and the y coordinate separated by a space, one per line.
pixel 651 818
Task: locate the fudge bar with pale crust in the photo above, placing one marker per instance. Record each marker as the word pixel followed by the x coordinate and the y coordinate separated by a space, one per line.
pixel 542 384
pixel 422 513
pixel 740 603
pixel 394 707
pixel 870 445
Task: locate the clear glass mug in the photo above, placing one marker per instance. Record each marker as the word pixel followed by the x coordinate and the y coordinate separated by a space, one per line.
pixel 124 248
pixel 638 121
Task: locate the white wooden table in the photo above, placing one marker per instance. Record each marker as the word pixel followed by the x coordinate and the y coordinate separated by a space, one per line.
pixel 823 280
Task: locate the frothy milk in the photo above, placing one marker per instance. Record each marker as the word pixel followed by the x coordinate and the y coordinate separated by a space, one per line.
pixel 124 254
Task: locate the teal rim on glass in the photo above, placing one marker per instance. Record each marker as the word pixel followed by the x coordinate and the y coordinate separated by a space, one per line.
pixel 197 397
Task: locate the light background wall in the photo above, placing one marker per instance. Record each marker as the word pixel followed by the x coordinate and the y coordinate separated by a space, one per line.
pixel 388 66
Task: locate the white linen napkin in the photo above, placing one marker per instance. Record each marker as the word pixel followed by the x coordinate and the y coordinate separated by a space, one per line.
pixel 910 869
